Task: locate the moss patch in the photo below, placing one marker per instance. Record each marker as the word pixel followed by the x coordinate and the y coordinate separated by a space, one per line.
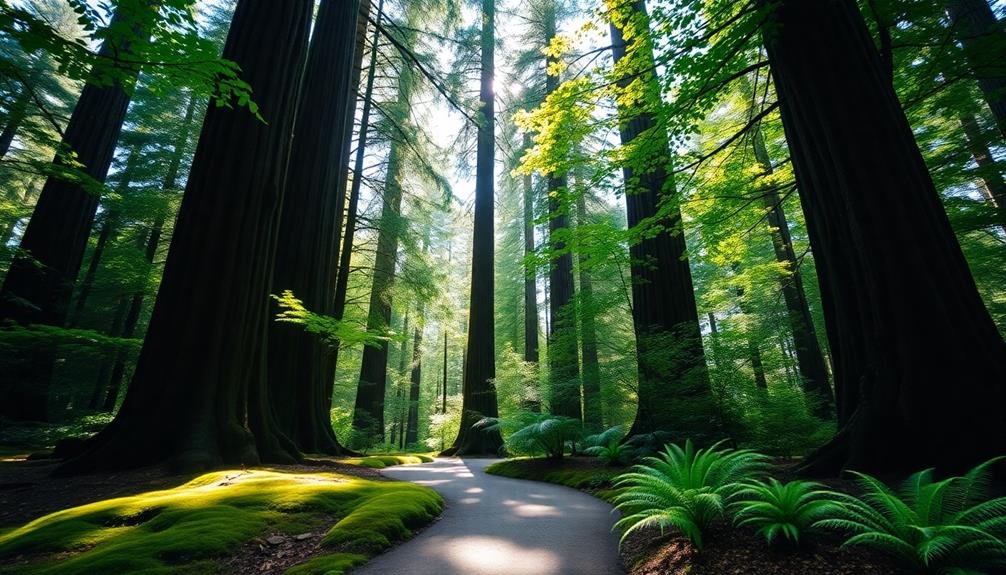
pixel 332 564
pixel 382 461
pixel 585 474
pixel 181 530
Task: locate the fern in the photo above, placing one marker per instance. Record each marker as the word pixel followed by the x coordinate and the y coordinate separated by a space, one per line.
pixel 614 453
pixel 546 434
pixel 940 527
pixel 782 509
pixel 684 488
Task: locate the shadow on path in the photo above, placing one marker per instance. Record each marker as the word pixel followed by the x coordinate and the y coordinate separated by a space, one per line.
pixel 495 525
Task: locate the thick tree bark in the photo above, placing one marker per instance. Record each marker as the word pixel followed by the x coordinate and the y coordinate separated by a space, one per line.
pixel 198 395
pixel 903 316
pixel 531 354
pixel 477 389
pixel 412 426
pixel 588 333
pixel 672 366
pixel 311 222
pixel 563 356
pixel 984 39
pixel 39 283
pixel 346 252
pixel 994 187
pixel 368 413
pixel 810 360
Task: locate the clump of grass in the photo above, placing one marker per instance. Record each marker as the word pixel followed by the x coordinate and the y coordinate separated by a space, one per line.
pixel 157 532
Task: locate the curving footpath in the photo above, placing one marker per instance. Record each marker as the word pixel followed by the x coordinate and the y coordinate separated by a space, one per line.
pixel 496 525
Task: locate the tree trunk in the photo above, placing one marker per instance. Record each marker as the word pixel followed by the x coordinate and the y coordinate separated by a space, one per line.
pixel 994 187
pixel 531 354
pixel 346 253
pixel 809 358
pixel 674 391
pixel 39 282
pixel 368 413
pixel 311 222
pixel 15 117
pixel 588 330
pixel 477 389
pixel 198 395
pixel 412 427
pixel 984 38
pixel 563 357
pixel 904 318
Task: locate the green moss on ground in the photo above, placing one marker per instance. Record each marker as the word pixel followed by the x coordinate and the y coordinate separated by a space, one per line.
pixel 332 564
pixel 182 530
pixel 582 474
pixel 382 461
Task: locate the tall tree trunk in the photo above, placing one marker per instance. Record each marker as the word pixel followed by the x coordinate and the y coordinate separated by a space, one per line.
pixel 588 333
pixel 673 380
pixel 198 395
pixel 984 39
pixel 368 413
pixel 903 315
pixel 412 426
pixel 16 115
pixel 563 357
pixel 477 389
pixel 39 283
pixel 531 354
pixel 311 222
pixel 809 358
pixel 994 187
pixel 100 389
pixel 346 253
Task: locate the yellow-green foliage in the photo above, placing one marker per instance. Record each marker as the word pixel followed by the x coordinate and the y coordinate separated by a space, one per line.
pixel 157 532
pixel 382 461
pixel 596 480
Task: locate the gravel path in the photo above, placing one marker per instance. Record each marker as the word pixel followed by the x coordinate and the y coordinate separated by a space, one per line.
pixel 495 525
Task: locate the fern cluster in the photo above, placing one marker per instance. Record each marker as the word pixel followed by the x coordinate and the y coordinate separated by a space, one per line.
pixel 546 434
pixel 608 447
pixel 684 488
pixel 782 509
pixel 940 527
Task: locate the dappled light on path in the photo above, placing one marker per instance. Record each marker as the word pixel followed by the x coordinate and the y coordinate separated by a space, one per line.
pixel 495 525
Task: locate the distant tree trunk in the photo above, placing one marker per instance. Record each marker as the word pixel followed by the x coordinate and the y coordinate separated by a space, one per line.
pixel 39 282
pixel 984 39
pixel 198 395
pixel 15 117
pixel 588 332
pixel 904 318
pixel 672 366
pixel 563 358
pixel 478 390
pixel 810 360
pixel 100 390
pixel 412 427
pixel 531 354
pixel 994 187
pixel 368 413
pixel 443 407
pixel 346 253
pixel 311 222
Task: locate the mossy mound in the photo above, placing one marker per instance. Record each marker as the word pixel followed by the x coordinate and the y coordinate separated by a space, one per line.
pixel 182 530
pixel 382 461
pixel 582 474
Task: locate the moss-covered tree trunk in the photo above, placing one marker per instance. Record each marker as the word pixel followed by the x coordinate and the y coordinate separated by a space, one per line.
pixel 478 391
pixel 198 394
pixel 920 369
pixel 39 283
pixel 674 390
pixel 310 225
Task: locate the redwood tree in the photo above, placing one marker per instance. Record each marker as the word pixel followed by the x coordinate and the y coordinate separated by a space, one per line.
pixel 198 395
pixel 311 222
pixel 920 369
pixel 477 389
pixel 673 381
